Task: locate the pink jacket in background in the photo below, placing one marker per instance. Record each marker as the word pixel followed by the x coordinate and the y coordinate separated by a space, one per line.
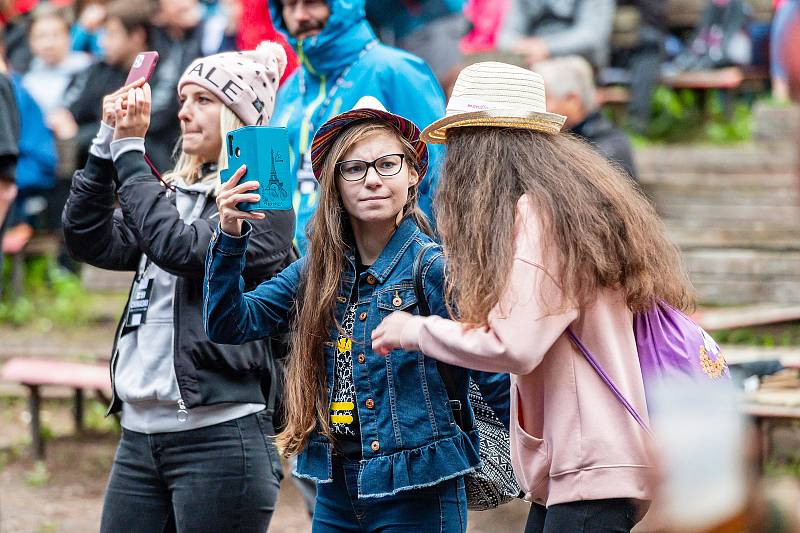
pixel 486 17
pixel 571 439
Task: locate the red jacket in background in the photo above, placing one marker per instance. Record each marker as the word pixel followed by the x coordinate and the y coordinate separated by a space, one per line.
pixel 259 28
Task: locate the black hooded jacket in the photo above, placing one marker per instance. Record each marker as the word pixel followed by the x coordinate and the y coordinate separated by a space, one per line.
pixel 148 222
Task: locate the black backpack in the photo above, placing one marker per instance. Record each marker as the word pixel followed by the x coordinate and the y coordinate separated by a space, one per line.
pixel 493 484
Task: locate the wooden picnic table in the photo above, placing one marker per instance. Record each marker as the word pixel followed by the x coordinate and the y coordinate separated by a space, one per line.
pixel 34 373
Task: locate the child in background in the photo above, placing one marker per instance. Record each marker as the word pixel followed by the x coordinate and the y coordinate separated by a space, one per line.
pixel 86 31
pixel 54 64
pixel 124 35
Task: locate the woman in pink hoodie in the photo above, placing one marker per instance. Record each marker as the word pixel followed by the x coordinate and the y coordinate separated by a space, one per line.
pixel 541 234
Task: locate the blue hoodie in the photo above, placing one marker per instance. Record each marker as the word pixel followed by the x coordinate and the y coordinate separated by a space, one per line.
pixel 36 166
pixel 402 82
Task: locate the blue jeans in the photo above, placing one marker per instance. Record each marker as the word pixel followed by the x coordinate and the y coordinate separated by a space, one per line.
pixel 441 508
pixel 617 515
pixel 223 477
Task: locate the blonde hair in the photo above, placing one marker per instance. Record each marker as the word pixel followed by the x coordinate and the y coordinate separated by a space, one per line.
pixel 187 167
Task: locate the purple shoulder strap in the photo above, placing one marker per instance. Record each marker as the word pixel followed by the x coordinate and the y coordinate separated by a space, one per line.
pixel 607 379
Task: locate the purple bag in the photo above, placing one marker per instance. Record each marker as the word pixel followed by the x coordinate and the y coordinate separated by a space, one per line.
pixel 670 345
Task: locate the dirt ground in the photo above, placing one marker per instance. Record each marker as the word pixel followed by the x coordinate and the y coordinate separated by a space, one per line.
pixel 65 494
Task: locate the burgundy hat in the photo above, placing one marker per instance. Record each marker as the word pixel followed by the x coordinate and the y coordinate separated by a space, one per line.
pixel 246 82
pixel 367 108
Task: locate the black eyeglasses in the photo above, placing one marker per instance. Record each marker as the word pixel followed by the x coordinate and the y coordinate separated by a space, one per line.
pixel 386 166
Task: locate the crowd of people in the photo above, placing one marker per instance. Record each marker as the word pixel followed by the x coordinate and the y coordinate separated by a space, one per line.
pixel 340 334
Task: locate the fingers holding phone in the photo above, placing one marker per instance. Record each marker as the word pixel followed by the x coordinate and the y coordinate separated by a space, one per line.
pixel 232 193
pixel 109 116
pixel 132 113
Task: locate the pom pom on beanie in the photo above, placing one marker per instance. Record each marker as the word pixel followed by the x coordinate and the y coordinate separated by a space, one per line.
pixel 246 82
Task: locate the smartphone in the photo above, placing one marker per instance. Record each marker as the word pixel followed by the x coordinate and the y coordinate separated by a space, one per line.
pixel 143 67
pixel 265 151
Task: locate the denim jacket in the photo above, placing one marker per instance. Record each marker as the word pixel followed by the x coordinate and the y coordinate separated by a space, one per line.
pixel 409 438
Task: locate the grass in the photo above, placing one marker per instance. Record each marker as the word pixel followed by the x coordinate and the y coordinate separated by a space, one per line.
pixel 54 298
pixel 769 336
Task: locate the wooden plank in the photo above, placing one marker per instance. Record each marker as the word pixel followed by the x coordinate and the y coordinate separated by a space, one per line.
pixel 723 78
pixel 757 410
pixel 736 354
pixel 745 316
pixel 34 372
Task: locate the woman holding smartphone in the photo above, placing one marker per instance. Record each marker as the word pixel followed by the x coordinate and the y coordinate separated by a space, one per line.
pixel 377 434
pixel 195 452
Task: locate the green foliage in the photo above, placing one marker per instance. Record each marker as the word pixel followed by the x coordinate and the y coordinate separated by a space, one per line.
pixel 47 527
pixel 38 476
pixel 680 116
pixel 774 468
pixel 50 296
pixel 780 335
pixel 96 420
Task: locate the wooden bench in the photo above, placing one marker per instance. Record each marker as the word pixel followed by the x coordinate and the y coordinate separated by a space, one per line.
pixel 780 401
pixel 36 373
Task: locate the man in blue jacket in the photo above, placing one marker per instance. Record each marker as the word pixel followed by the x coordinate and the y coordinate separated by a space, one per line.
pixel 342 60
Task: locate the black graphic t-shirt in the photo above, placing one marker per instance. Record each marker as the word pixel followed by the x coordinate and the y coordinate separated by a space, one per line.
pixel 344 422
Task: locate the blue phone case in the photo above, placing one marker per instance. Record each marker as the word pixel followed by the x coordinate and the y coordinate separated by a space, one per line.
pixel 265 151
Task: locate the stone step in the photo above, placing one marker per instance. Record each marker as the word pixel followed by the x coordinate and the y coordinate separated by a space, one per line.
pixel 718 182
pixel 753 215
pixel 736 354
pixel 725 198
pixel 745 264
pixel 752 158
pixel 744 276
pixel 742 316
pixel 99 280
pixel 695 234
pixel 723 290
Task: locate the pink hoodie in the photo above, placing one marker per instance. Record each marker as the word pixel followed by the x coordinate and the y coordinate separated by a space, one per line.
pixel 571 439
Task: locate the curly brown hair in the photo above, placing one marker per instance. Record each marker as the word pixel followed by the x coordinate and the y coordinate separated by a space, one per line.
pixel 602 231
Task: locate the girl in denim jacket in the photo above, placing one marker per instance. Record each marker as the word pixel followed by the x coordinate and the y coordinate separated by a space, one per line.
pixel 377 434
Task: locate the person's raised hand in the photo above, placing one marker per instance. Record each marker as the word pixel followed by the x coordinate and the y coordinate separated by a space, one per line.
pixel 133 120
pixel 230 194
pixel 109 117
pixel 389 333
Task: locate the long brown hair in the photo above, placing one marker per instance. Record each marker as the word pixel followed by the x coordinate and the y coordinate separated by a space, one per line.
pixel 601 232
pixel 329 238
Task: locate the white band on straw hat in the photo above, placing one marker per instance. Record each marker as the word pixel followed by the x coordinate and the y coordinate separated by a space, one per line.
pixel 495 95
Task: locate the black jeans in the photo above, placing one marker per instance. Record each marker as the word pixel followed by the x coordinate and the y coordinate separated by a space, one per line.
pixel 588 516
pixel 218 478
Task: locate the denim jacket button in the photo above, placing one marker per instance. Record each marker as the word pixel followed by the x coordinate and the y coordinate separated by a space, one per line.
pixel 362 358
pixel 370 403
pixel 375 446
pixel 363 316
pixel 341 299
pixel 371 280
pixel 397 301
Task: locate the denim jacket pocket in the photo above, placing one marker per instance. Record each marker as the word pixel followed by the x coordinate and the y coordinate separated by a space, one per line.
pixel 396 298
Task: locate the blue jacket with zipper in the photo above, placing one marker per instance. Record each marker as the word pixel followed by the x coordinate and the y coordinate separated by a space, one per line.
pixel 402 82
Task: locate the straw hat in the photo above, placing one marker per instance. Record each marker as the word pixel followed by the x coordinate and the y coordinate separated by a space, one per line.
pixel 495 94
pixel 367 108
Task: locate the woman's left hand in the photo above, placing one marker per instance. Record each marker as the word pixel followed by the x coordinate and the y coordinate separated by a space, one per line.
pixel 133 120
pixel 389 333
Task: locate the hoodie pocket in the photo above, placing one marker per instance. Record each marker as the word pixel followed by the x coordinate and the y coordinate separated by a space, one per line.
pixel 531 455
